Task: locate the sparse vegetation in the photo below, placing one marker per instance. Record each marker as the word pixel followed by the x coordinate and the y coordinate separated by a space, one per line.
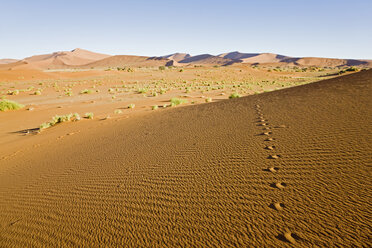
pixel 131 106
pixel 155 107
pixel 60 119
pixel 10 105
pixel 89 115
pixel 177 101
pixel 234 95
pixel 86 91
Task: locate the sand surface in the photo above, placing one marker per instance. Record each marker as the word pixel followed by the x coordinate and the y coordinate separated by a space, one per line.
pixel 279 169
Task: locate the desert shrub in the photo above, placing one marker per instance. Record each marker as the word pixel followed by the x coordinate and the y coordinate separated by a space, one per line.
pixel 353 68
pixel 161 68
pixel 118 111
pixel 142 90
pixel 60 119
pixel 131 106
pixel 38 92
pixel 234 95
pixel 177 101
pixel 86 91
pixel 208 99
pixel 155 107
pixel 13 92
pixel 9 105
pixel 89 115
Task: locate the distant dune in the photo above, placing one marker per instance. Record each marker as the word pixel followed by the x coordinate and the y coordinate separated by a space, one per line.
pixel 177 56
pixel 206 59
pixel 128 60
pixel 58 60
pixel 7 61
pixel 80 58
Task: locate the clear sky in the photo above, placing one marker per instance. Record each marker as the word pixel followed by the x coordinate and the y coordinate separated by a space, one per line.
pixel 321 28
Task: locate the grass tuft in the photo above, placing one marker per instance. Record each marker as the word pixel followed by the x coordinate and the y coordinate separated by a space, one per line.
pixel 9 105
pixel 234 95
pixel 177 101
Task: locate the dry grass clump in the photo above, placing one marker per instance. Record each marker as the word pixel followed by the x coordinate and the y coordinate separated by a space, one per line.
pixel 86 91
pixel 60 119
pixel 177 101
pixel 9 105
pixel 89 115
pixel 234 95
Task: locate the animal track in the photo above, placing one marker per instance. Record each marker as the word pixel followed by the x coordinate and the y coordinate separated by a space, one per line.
pixel 270 147
pixel 278 185
pixel 274 156
pixel 266 133
pixel 263 122
pixel 277 206
pixel 272 169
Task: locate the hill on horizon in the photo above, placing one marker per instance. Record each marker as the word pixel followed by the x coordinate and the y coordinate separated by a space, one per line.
pixel 84 59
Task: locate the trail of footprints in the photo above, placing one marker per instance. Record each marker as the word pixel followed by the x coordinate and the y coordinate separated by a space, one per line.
pixel 267 131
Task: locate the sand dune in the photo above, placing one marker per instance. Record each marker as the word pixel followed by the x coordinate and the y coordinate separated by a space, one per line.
pixel 7 61
pixel 206 59
pixel 128 60
pixel 271 58
pixel 79 58
pixel 177 56
pixel 323 62
pixel 57 60
pixel 201 176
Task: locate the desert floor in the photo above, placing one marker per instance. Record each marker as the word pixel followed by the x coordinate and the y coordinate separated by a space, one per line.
pixel 282 166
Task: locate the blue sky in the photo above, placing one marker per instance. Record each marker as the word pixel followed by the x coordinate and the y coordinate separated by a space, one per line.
pixel 327 28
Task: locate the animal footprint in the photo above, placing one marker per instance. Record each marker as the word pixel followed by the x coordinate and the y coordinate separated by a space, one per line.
pixel 274 156
pixel 278 185
pixel 269 147
pixel 277 206
pixel 266 133
pixel 273 169
pixel 269 139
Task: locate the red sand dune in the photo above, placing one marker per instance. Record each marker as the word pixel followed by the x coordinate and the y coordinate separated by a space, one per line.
pixel 267 170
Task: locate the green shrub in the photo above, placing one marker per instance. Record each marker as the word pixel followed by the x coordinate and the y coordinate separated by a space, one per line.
pixel 89 115
pixel 60 119
pixel 131 106
pixel 9 105
pixel 208 99
pixel 177 101
pixel 38 92
pixel 143 90
pixel 86 91
pixel 155 107
pixel 161 68
pixel 234 95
